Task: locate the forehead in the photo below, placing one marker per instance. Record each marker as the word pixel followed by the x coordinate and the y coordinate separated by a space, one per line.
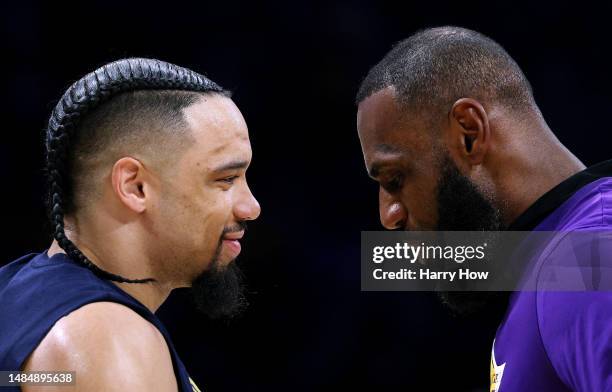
pixel 219 130
pixel 385 130
pixel 379 111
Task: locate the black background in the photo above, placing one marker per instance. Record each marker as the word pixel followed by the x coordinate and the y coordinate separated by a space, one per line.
pixel 294 68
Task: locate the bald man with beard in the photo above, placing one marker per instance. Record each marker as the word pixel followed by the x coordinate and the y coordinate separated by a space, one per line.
pixel 450 130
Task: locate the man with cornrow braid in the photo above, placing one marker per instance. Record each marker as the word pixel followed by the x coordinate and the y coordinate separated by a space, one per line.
pixel 146 166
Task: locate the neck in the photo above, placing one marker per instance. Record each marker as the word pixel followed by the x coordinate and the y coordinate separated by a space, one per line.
pixel 113 251
pixel 529 167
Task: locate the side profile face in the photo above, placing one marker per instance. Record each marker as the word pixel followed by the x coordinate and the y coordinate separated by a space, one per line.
pixel 401 158
pixel 430 179
pixel 199 211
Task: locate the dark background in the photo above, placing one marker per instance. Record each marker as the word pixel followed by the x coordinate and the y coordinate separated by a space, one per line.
pixel 294 68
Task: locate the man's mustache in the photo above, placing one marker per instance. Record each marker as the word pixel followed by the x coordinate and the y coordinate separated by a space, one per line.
pixel 240 226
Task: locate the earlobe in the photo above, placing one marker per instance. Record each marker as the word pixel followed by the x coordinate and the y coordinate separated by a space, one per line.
pixel 128 185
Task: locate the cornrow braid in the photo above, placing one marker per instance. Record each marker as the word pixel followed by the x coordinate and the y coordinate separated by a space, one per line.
pixel 83 96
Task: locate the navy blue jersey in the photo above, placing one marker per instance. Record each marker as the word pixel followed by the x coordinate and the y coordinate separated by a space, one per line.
pixel 37 290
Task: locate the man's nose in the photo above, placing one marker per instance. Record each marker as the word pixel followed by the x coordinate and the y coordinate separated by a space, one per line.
pixel 393 215
pixel 247 207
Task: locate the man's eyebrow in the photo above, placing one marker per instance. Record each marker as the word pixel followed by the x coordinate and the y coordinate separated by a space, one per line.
pixel 388 148
pixel 233 165
pixel 383 148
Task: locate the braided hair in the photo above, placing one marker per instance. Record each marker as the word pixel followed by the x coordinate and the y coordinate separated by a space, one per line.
pixel 85 96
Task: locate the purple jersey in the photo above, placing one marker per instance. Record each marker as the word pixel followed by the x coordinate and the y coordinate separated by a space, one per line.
pixel 554 340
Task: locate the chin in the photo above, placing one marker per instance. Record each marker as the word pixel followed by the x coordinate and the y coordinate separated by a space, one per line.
pixel 219 292
pixel 223 262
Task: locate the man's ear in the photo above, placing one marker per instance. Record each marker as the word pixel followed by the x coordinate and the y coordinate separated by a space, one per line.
pixel 469 130
pixel 127 178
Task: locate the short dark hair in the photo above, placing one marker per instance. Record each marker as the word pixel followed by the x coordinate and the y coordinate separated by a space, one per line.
pixel 118 100
pixel 433 68
pixel 148 121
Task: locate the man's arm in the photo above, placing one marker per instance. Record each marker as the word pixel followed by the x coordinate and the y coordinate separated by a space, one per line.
pixel 110 347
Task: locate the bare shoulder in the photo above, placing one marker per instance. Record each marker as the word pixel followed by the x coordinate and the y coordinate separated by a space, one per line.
pixel 110 347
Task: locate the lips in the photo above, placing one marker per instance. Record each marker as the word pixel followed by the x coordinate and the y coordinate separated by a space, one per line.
pixel 231 243
pixel 233 236
pixel 232 247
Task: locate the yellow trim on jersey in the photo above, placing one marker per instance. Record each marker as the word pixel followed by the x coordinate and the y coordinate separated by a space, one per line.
pixel 194 386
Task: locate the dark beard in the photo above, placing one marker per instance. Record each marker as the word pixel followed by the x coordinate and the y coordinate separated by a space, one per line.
pixel 219 292
pixel 462 207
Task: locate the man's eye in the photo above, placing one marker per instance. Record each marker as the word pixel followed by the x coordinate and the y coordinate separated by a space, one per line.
pixel 228 180
pixel 394 184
